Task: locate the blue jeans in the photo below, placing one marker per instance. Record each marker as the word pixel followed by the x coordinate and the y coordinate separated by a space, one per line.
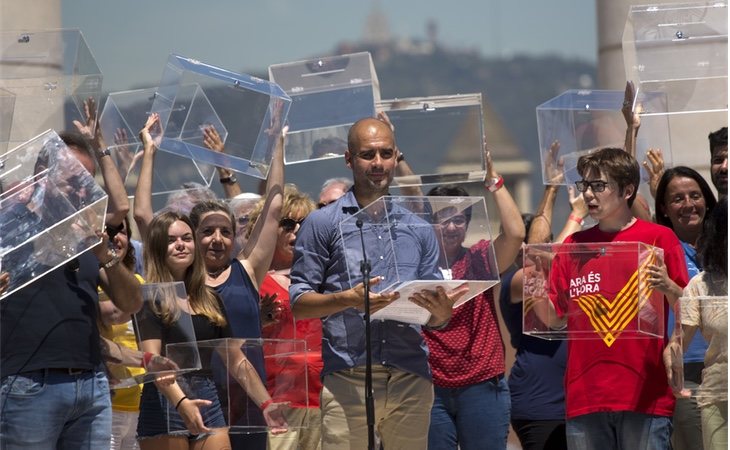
pixel 48 410
pixel 618 430
pixel 472 417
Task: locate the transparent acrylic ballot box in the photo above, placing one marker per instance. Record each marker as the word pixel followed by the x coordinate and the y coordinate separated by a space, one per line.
pixel 123 116
pixel 679 49
pixel 234 368
pixel 247 112
pixel 442 137
pixel 328 95
pixel 408 240
pixel 165 312
pixel 591 291
pixel 51 73
pixel 50 209
pixel 582 121
pixel 709 314
pixel 7 108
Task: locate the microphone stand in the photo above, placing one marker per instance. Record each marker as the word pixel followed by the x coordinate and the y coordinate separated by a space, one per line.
pixel 369 400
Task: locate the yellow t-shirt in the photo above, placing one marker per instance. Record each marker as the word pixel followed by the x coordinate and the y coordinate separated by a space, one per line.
pixel 125 399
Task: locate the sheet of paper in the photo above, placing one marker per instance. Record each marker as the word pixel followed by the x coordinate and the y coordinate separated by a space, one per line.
pixel 404 310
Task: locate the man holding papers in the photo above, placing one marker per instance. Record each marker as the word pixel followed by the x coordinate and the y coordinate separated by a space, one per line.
pixel 320 287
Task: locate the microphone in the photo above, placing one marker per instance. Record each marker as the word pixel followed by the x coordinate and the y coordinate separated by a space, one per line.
pixel 358 223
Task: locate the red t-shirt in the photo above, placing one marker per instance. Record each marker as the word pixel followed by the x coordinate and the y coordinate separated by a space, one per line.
pixel 283 380
pixel 626 373
pixel 470 349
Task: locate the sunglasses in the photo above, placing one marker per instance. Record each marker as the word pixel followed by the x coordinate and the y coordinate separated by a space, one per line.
pixel 289 225
pixel 596 186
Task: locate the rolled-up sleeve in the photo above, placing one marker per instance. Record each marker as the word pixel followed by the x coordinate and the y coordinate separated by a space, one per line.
pixel 311 256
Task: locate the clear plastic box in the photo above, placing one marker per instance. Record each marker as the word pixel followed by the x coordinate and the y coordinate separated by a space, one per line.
pixel 51 73
pixel 50 209
pixel 123 116
pixel 583 121
pixel 236 366
pixel 328 95
pixel 591 291
pixel 454 225
pixel 679 49
pixel 247 112
pixel 442 138
pixel 162 301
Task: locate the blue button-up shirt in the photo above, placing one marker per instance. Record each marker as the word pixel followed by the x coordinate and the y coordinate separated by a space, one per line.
pixel 321 265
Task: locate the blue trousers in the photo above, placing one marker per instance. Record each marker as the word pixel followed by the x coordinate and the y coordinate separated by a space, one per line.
pixel 472 417
pixel 48 410
pixel 624 430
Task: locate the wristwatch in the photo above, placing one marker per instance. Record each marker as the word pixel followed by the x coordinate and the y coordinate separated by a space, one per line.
pixel 230 179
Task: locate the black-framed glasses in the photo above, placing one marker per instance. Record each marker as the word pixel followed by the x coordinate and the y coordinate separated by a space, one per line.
pixel 596 186
pixel 369 155
pixel 289 224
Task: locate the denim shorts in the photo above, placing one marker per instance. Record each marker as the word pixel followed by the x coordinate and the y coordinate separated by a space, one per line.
pixel 157 417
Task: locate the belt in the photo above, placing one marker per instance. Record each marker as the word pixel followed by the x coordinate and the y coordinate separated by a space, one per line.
pixel 68 370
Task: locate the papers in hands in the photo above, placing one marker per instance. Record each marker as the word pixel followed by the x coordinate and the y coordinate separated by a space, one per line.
pixel 404 310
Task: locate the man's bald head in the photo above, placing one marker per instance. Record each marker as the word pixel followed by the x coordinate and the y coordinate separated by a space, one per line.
pixel 368 125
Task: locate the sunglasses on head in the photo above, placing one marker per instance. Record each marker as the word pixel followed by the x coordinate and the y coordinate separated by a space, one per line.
pixel 289 224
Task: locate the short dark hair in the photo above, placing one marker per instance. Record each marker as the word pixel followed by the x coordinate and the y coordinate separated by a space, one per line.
pixel 661 192
pixel 451 190
pixel 717 139
pixel 76 139
pixel 713 241
pixel 618 165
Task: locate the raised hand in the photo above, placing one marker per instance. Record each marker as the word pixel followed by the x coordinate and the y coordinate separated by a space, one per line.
pixel 554 165
pixel 211 139
pixel 145 134
pixel 91 129
pixel 654 166
pixel 577 203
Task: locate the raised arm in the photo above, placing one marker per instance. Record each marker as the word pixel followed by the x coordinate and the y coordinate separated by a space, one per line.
pixel 113 183
pixel 507 244
pixel 213 141
pixel 143 193
pixel 117 280
pixel 259 250
pixel 632 118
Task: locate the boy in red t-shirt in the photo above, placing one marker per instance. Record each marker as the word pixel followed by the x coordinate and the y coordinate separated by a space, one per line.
pixel 617 395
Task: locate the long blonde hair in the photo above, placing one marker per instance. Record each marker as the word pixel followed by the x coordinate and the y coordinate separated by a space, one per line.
pixel 203 300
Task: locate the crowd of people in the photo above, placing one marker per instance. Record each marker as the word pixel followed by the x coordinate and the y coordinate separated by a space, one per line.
pixel 273 265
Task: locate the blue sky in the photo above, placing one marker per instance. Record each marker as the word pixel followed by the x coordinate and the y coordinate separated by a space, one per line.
pixel 131 39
